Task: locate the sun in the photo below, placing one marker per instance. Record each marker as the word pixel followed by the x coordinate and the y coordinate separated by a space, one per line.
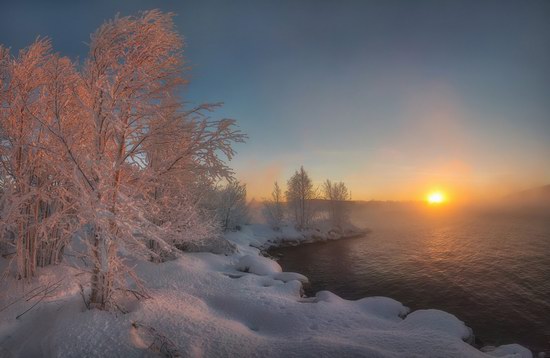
pixel 436 197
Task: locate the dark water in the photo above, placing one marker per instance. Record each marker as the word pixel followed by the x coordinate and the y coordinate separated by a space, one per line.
pixel 491 271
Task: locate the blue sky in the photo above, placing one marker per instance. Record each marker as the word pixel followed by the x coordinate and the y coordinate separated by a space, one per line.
pixel 393 97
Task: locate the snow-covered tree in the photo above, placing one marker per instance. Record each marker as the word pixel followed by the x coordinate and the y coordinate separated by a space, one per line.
pixel 141 140
pixel 273 209
pixel 299 195
pixel 37 210
pixel 337 195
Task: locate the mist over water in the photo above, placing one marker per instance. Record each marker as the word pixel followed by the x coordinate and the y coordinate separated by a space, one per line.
pixel 490 269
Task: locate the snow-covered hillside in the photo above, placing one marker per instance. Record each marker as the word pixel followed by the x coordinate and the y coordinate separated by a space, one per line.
pixel 239 305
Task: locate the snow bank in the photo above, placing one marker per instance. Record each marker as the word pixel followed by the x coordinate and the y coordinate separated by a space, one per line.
pixel 508 350
pixel 384 307
pixel 206 305
pixel 263 266
pixel 436 320
pixel 290 276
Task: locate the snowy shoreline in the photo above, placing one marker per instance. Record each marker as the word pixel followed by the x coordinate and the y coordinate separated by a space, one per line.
pixel 264 238
pixel 259 238
pixel 239 304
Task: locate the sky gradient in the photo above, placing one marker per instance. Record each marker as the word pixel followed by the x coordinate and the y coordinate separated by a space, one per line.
pixel 395 98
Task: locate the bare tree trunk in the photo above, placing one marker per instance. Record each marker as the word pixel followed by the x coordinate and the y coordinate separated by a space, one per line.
pixel 98 294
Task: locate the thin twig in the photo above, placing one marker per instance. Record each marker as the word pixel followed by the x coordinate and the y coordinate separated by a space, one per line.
pixel 20 298
pixel 44 289
pixel 49 290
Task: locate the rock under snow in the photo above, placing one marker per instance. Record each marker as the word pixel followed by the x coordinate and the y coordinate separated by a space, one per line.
pixel 258 265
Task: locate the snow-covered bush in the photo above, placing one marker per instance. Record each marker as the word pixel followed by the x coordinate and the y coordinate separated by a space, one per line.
pixel 230 205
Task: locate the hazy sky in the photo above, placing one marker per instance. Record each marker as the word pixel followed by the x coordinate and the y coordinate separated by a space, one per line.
pixel 393 97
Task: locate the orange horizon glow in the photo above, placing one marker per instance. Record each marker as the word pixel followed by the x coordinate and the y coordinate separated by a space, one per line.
pixel 260 186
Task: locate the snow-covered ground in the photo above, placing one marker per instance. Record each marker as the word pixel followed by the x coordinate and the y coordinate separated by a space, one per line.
pixel 239 305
